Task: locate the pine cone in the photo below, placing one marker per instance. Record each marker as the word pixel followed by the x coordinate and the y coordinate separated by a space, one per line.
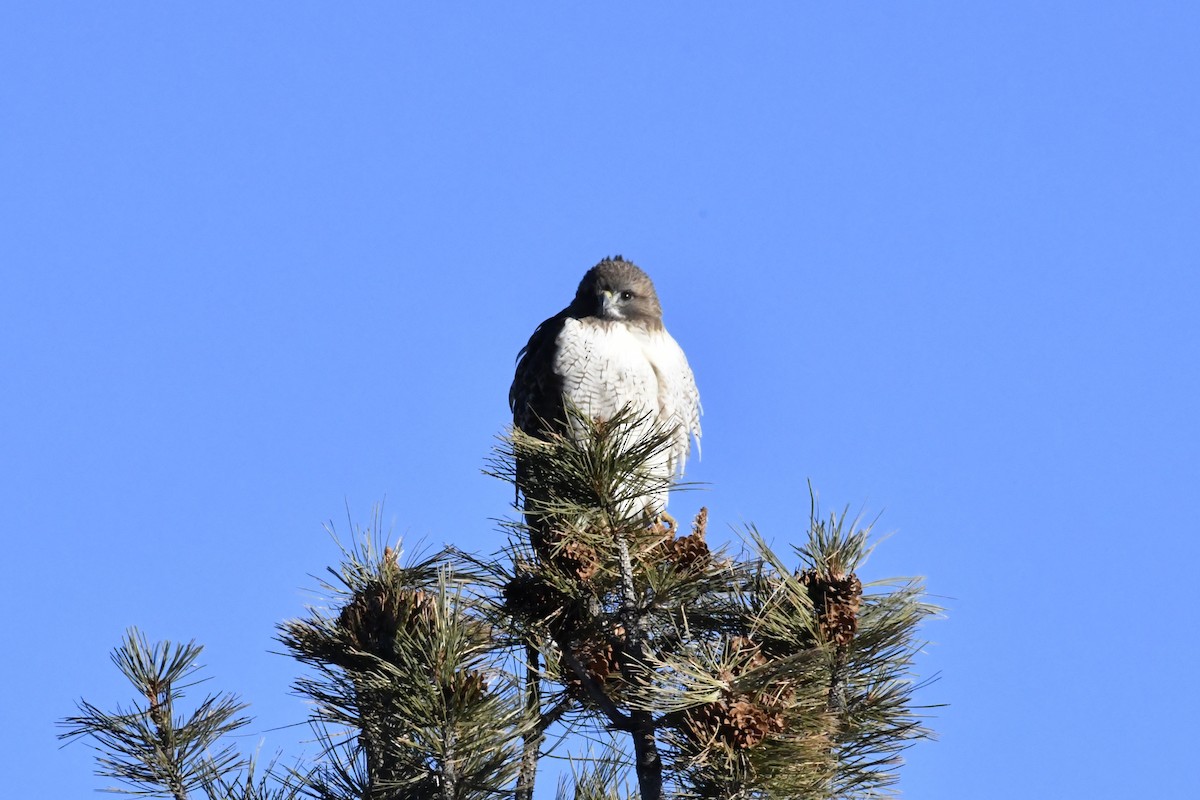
pixel 686 552
pixel 529 597
pixel 377 613
pixel 747 653
pixel 599 661
pixel 702 723
pixel 690 552
pixel 836 602
pixel 560 548
pixel 578 559
pixel 465 688
pixel 746 725
pixel 739 723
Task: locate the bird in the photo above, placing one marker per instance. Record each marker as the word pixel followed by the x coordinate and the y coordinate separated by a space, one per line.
pixel 606 351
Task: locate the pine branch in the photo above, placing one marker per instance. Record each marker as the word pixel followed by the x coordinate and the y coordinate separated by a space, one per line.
pixel 586 497
pixel 714 676
pixel 764 678
pixel 411 665
pixel 647 763
pixel 147 747
pixel 271 783
pixel 533 738
pixel 598 777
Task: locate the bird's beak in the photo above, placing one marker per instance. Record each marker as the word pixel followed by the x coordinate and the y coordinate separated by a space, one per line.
pixel 610 305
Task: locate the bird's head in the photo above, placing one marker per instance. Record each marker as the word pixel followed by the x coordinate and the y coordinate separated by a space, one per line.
pixel 616 289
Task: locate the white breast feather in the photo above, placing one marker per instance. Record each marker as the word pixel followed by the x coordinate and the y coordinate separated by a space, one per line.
pixel 605 366
pixel 678 398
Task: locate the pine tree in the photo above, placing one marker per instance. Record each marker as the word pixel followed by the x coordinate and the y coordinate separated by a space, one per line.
pixel 659 666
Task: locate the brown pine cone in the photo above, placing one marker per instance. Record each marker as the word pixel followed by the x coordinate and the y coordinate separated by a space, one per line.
pixel 578 559
pixel 599 661
pixel 377 613
pixel 739 723
pixel 465 687
pixel 745 724
pixel 528 597
pixel 836 602
pixel 747 652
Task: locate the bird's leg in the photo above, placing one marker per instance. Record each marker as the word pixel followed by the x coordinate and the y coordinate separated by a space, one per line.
pixel 660 525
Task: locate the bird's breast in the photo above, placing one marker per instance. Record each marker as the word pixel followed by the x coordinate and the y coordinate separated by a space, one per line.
pixel 604 366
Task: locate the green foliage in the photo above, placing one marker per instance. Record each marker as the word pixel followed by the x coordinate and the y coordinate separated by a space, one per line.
pixel 150 748
pixel 408 684
pixel 598 776
pixel 816 700
pixel 684 670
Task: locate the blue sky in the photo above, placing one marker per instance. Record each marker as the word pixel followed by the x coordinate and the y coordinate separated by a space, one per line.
pixel 264 263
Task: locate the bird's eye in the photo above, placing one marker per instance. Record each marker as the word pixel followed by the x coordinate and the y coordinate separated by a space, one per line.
pixel 626 295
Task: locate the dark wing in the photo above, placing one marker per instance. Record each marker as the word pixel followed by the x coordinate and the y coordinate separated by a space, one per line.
pixel 536 393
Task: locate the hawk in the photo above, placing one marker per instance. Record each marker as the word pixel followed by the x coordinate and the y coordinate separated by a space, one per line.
pixel 607 350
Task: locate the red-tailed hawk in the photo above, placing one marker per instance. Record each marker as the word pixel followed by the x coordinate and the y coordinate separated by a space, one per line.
pixel 606 350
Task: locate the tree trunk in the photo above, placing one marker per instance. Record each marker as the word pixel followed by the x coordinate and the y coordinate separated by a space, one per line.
pixel 647 762
pixel 533 738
